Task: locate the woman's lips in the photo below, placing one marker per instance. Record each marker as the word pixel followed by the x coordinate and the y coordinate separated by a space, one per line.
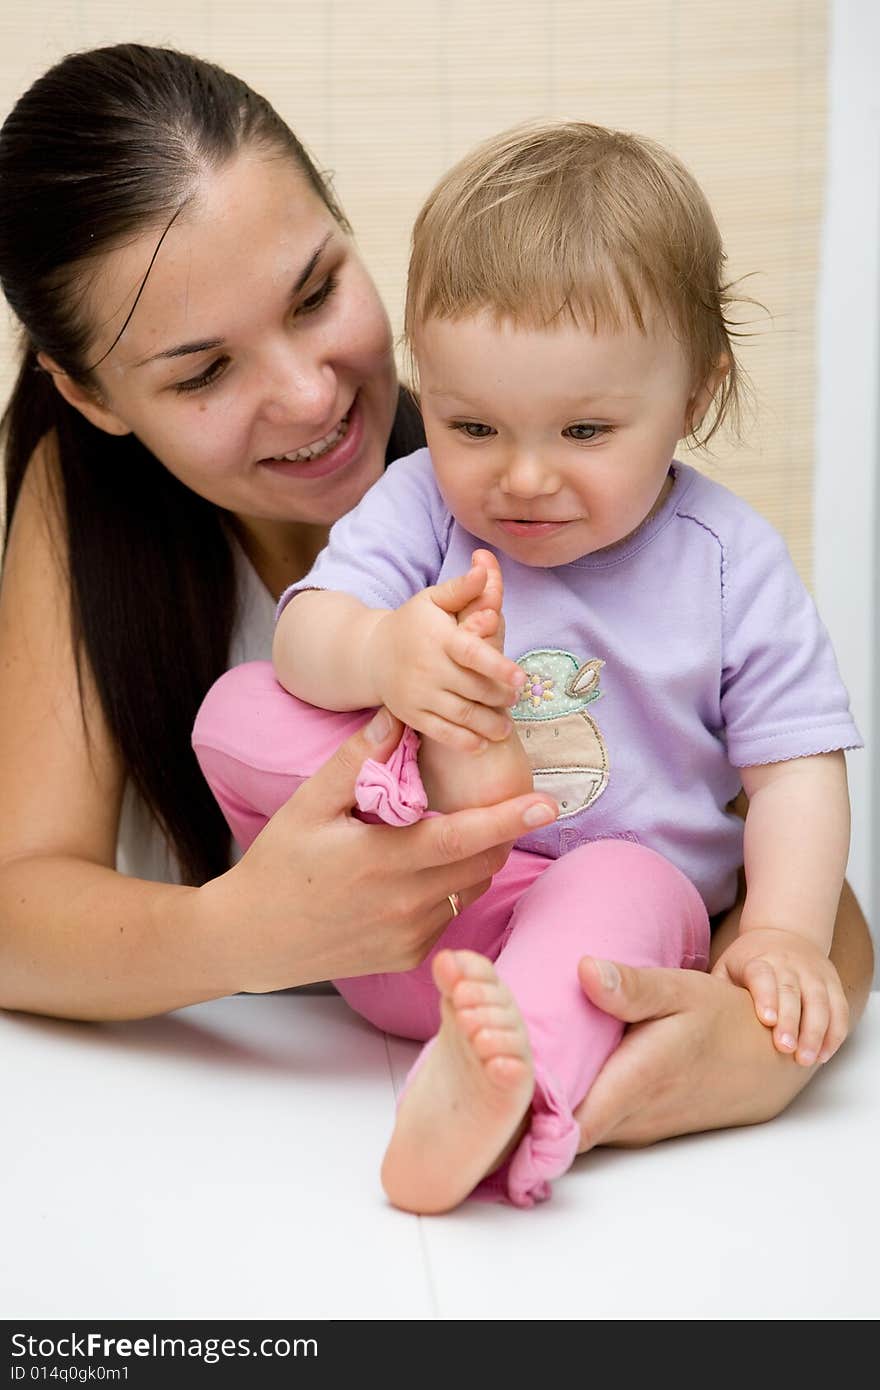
pixel 342 454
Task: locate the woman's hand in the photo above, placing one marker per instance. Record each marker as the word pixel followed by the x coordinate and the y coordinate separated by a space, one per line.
pixel 694 1058
pixel 320 895
pixel 438 674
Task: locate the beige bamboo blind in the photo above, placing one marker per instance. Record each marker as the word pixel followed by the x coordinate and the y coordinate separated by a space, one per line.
pixel 387 95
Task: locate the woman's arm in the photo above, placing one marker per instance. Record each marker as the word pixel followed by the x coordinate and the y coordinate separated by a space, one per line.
pixel 319 894
pixel 76 938
pixel 696 1057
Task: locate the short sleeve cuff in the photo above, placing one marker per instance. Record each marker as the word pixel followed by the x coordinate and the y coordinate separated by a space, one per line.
pixel 782 746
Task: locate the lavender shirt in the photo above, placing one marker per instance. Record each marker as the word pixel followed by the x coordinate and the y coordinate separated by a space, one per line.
pixel 657 667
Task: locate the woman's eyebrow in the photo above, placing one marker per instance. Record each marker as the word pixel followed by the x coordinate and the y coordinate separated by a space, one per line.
pixel 209 344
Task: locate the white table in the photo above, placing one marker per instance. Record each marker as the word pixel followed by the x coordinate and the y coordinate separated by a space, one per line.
pixel 222 1162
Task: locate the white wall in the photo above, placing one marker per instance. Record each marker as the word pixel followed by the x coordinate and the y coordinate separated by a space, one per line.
pixel 846 515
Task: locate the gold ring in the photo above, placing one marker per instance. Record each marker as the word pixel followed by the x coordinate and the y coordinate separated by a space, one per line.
pixel 455 903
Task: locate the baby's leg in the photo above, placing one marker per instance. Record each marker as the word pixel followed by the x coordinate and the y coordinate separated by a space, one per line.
pixel 467 1103
pixel 256 743
pixel 519 1041
pixel 610 899
pixel 454 780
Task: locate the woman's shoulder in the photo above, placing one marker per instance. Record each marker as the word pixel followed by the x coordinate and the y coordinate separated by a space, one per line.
pixel 35 556
pixel 40 502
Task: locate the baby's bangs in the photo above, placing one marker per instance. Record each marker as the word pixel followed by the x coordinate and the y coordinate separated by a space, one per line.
pixel 528 280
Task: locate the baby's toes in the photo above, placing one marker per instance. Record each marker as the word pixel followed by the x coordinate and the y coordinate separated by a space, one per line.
pixel 474 1018
pixel 501 1042
pixel 474 969
pixel 446 971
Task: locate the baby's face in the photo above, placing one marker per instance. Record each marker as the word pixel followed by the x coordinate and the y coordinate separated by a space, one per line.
pixel 550 444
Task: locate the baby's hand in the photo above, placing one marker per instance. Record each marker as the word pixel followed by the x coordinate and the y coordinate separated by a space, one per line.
pixel 795 988
pixel 439 674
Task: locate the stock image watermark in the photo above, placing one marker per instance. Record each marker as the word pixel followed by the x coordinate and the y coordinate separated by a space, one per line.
pixel 58 1359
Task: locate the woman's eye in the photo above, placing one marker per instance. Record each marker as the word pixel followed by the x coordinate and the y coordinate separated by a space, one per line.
pixel 584 433
pixel 320 296
pixel 207 377
pixel 472 429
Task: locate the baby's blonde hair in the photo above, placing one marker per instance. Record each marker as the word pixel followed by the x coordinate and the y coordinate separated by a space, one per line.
pixel 550 221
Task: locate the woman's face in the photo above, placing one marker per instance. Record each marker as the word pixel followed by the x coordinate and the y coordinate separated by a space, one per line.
pixel 258 361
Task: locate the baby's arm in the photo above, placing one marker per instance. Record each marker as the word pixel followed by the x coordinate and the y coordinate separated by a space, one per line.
pixel 796 846
pixel 319 649
pixel 437 676
pixel 454 780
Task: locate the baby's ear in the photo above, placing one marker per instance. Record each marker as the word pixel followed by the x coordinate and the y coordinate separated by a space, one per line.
pixel 86 401
pixel 703 397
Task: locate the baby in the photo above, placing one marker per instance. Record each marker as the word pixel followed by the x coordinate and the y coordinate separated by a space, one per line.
pixel 567 319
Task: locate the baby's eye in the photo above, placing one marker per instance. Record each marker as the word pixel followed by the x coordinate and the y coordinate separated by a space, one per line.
pixel 583 432
pixel 472 429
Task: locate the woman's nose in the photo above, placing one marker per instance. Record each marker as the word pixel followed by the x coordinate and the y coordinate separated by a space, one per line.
pixel 299 393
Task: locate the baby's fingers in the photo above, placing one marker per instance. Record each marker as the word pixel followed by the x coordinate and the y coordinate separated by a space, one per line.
pixel 492 596
pixel 838 1027
pixel 456 736
pixel 493 593
pixel 825 1021
pixel 815 1017
pixel 759 978
pixel 483 622
pixel 788 1025
pixel 471 652
pixel 484 720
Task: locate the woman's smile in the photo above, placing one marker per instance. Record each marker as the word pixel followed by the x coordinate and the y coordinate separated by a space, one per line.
pixel 338 449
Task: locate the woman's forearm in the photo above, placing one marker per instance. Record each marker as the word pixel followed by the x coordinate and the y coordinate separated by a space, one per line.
pixel 79 940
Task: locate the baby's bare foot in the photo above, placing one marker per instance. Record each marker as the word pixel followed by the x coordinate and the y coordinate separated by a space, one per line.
pixel 465 1109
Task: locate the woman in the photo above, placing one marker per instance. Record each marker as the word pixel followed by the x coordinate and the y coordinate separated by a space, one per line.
pixel 207 384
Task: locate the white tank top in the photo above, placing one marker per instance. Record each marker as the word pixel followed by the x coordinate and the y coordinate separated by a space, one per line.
pixel 141 850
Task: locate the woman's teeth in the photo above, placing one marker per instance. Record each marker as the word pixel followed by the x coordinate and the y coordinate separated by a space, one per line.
pixel 320 446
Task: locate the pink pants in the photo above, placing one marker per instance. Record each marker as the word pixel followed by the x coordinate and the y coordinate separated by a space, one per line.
pixel 256 744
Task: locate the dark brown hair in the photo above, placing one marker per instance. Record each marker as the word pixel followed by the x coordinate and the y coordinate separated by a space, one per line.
pixel 104 146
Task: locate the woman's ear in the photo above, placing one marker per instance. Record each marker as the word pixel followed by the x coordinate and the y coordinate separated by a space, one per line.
pixel 87 402
pixel 703 397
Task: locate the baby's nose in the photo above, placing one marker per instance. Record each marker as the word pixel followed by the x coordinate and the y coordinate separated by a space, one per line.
pixel 527 476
